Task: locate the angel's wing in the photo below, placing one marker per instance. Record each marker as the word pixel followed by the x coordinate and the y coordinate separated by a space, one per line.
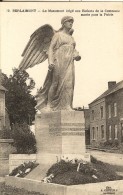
pixel 36 50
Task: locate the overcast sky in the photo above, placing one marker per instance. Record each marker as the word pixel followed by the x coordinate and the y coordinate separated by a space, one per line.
pixel 98 39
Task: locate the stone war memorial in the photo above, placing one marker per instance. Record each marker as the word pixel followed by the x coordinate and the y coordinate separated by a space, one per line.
pixel 59 129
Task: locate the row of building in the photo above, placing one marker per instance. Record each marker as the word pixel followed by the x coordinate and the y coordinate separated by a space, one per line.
pixel 106 115
pixel 104 118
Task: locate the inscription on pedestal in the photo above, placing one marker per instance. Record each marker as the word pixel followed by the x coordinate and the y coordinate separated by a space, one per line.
pixel 60 132
pixel 67 129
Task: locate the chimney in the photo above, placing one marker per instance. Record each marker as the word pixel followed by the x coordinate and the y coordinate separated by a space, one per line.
pixel 111 84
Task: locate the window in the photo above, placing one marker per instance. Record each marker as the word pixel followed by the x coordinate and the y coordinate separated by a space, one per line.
pixel 116 132
pixel 101 111
pixel 115 109
pixel 110 132
pixel 109 111
pixel 97 133
pixel 92 114
pixel 93 133
pixel 102 131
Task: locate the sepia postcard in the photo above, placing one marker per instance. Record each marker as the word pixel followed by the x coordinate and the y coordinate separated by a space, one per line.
pixel 75 48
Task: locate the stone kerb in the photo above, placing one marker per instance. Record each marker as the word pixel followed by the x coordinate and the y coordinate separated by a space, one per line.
pixel 35 186
pixel 115 187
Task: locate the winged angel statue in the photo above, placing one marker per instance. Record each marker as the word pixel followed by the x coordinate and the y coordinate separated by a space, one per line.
pixel 59 48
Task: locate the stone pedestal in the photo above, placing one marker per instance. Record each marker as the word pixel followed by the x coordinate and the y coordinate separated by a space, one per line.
pixel 58 134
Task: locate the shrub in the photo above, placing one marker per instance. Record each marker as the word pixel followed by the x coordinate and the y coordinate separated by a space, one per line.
pixel 24 139
pixel 5 133
pixel 67 173
pixel 115 143
pixel 61 167
pixel 95 161
pixel 109 144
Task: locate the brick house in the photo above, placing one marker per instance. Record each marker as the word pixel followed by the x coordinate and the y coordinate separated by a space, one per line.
pixel 106 115
pixel 87 126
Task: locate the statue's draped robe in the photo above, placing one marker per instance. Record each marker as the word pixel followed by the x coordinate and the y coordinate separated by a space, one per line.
pixel 57 92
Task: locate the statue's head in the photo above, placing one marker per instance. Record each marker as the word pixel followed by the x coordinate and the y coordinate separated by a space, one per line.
pixel 67 22
pixel 66 18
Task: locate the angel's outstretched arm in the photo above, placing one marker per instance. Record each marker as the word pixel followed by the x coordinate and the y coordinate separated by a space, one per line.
pixel 51 50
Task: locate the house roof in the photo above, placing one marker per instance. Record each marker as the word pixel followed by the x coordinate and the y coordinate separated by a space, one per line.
pixel 117 87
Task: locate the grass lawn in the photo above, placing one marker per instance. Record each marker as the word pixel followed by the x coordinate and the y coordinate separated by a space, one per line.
pixel 7 190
